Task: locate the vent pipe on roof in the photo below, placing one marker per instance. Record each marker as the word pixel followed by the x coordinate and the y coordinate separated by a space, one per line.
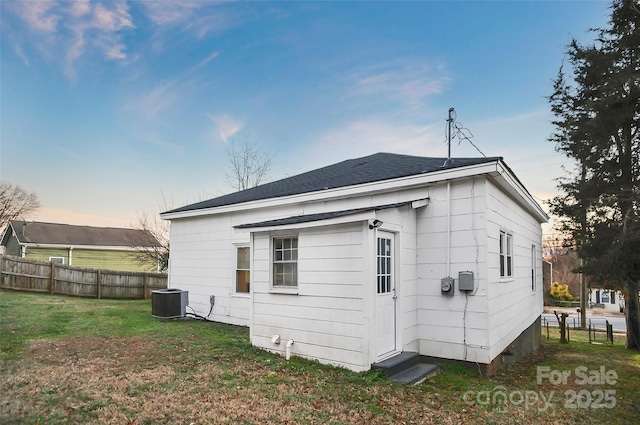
pixel 449 124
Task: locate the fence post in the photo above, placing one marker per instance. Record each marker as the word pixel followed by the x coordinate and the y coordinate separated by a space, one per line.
pixel 145 285
pixel 547 330
pixel 1 275
pixel 610 331
pixel 98 284
pixel 52 283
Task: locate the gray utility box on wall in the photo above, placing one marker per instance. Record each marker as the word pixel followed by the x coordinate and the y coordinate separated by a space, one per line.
pixel 169 303
pixel 465 281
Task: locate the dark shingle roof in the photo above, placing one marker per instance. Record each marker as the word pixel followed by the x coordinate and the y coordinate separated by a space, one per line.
pixel 373 168
pixel 318 217
pixel 66 234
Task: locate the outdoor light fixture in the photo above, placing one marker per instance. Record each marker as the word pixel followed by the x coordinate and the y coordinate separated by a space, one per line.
pixel 375 223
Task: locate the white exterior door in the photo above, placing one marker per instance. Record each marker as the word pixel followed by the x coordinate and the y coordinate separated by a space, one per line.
pixel 385 296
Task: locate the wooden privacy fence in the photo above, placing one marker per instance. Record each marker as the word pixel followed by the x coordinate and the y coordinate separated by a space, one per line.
pixel 39 276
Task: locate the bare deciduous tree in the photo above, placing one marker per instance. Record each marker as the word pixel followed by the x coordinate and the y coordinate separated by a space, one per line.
pixel 15 203
pixel 248 165
pixel 153 245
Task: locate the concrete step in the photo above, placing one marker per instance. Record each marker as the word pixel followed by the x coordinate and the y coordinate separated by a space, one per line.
pixel 405 368
pixel 414 374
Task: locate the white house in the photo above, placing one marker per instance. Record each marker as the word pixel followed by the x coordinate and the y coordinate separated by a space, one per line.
pixel 348 264
pixel 608 299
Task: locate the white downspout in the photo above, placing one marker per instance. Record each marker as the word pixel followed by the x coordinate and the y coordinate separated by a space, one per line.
pixel 70 255
pixel 288 352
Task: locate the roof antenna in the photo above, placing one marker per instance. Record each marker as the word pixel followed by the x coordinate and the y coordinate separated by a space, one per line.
pixel 449 161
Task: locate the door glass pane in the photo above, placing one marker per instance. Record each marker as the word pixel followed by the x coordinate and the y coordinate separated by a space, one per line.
pixel 383 266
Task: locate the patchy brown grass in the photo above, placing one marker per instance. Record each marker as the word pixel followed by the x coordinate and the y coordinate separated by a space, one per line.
pixel 192 372
pixel 116 381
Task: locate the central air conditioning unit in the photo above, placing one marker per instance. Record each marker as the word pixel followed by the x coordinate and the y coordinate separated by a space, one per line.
pixel 169 303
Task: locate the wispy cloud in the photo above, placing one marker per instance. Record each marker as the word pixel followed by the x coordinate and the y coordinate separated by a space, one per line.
pixel 226 126
pixel 76 28
pixel 374 134
pixel 80 8
pixel 203 62
pixel 172 12
pixel 40 16
pixel 168 93
pixel 191 19
pixel 159 98
pixel 408 81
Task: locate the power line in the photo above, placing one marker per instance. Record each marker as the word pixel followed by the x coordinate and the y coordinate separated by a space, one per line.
pixel 456 130
pixel 533 158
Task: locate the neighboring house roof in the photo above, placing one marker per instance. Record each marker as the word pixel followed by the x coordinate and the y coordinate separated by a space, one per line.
pixel 38 233
pixel 369 169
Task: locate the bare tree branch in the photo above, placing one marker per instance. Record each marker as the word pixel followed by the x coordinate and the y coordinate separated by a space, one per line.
pixel 152 246
pixel 248 165
pixel 15 203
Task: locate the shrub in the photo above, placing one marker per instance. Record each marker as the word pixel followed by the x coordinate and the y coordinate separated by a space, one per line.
pixel 560 292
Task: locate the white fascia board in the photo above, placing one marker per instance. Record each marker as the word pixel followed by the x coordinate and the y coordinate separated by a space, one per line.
pixel 88 247
pixel 511 185
pixel 363 216
pixel 401 183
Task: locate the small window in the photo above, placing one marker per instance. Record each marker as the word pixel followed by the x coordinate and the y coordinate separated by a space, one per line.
pixel 285 262
pixel 242 269
pixel 57 260
pixel 506 254
pixel 533 268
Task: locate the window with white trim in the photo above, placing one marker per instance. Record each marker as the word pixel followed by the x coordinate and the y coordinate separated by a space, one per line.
pixel 243 284
pixel 506 254
pixel 285 262
pixel 533 268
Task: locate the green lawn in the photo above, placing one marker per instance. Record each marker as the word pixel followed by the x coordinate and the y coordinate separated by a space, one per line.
pixel 72 361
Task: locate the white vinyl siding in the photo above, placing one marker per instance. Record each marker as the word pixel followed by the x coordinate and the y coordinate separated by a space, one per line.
pixel 443 322
pixel 512 307
pixel 326 319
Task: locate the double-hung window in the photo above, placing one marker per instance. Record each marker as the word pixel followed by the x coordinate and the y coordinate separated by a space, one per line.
pixel 285 262
pixel 506 254
pixel 534 263
pixel 242 269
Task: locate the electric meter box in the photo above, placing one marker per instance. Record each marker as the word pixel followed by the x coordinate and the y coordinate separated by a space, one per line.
pixel 465 281
pixel 446 285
